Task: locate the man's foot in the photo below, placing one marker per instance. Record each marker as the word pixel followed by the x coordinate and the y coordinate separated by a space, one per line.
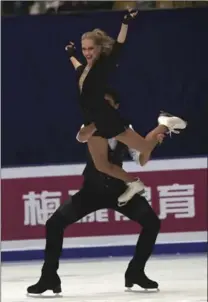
pixel 134 275
pixel 135 187
pixel 44 284
pixel 142 280
pixel 173 123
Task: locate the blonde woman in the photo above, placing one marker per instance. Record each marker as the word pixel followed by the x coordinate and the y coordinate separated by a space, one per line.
pixel 101 54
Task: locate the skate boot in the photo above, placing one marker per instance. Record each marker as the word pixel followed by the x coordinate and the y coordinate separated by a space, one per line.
pixel 133 276
pixel 171 122
pixel 44 284
pixel 134 187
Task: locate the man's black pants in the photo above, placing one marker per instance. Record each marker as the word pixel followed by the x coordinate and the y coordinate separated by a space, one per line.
pixel 86 201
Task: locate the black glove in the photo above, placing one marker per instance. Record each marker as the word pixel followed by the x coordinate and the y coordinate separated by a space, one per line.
pixel 70 49
pixel 131 14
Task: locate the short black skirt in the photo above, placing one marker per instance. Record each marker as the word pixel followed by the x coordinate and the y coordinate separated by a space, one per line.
pixel 108 121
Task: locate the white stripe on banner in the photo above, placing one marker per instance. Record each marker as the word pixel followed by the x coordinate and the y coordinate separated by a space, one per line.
pixel 71 170
pixel 103 241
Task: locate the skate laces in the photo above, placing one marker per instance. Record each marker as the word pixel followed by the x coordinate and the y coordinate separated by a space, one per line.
pixel 172 130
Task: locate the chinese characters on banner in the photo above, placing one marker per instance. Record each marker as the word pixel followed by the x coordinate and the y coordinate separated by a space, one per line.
pixel 178 197
pixel 39 207
pixel 178 200
pixel 174 199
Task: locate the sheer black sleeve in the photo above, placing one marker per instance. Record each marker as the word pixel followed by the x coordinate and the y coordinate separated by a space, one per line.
pixel 79 71
pixel 116 51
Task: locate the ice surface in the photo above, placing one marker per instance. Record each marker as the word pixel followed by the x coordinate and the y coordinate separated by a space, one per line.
pixel 181 279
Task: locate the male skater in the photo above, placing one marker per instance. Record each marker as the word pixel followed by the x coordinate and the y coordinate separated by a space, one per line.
pixel 100 191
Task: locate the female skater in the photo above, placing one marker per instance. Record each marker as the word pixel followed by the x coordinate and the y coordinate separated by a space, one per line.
pixel 101 53
pixel 86 132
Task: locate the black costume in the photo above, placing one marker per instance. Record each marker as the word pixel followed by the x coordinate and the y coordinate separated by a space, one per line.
pixel 100 191
pixel 94 107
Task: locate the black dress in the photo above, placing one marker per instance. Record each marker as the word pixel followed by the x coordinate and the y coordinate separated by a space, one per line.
pixel 94 107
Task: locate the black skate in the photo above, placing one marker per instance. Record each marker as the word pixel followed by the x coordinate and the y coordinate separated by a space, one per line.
pixel 141 280
pixel 45 284
pixel 136 276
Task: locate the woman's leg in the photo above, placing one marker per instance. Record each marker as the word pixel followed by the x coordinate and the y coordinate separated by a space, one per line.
pixel 135 141
pixel 145 146
pixel 87 131
pixel 98 147
pixel 166 121
pixel 145 157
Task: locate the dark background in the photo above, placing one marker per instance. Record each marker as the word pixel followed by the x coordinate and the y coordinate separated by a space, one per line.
pixel 164 65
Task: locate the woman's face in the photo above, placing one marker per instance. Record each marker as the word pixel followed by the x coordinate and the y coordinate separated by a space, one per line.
pixel 90 50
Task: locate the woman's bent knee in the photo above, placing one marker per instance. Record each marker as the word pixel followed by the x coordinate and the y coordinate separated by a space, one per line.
pixel 134 140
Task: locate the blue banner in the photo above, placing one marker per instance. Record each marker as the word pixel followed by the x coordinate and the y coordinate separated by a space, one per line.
pixel 163 67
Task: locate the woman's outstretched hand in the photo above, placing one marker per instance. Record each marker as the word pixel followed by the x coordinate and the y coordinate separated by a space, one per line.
pixel 70 49
pixel 131 14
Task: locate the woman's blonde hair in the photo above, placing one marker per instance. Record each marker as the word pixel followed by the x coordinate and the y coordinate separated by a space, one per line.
pixel 100 38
